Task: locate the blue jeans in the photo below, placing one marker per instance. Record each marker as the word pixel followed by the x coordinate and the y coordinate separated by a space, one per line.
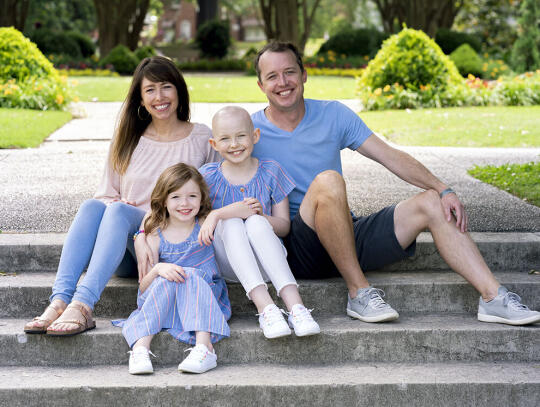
pixel 97 240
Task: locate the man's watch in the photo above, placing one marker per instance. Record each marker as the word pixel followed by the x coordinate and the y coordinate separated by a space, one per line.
pixel 446 192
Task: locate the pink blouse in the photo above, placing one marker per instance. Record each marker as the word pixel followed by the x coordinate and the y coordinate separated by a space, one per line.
pixel 148 161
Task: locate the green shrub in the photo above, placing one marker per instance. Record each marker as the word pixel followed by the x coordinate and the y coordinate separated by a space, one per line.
pixel 20 58
pixel 333 60
pixel 493 68
pixel 450 40
pixel 359 42
pixel 522 90
pixel 88 72
pixel 413 60
pixel 53 42
pixel 213 39
pixel 122 59
pixel 206 65
pixel 526 50
pixel 351 73
pixel 467 61
pixel 27 78
pixel 145 52
pixel 85 43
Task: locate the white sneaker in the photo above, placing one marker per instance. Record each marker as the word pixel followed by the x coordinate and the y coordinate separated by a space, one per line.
pixel 199 360
pixel 302 322
pixel 139 361
pixel 272 322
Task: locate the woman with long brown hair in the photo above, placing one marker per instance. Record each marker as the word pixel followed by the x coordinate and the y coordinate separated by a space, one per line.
pixel 154 132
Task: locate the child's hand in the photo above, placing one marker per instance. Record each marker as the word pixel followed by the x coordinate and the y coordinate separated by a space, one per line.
pixel 206 234
pixel 254 204
pixel 170 272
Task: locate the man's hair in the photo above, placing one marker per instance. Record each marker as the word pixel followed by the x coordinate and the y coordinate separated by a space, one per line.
pixel 278 46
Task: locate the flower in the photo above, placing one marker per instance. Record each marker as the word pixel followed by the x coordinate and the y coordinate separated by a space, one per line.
pixel 377 92
pixel 59 99
pixel 386 88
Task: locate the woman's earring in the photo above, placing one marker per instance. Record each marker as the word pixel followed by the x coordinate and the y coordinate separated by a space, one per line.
pixel 139 113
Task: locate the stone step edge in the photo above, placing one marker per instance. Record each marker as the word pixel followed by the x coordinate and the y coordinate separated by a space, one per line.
pixel 272 375
pixel 40 251
pixel 26 295
pixel 418 338
pixel 441 384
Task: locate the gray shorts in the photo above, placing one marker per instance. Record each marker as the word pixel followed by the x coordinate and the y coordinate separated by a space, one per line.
pixel 376 246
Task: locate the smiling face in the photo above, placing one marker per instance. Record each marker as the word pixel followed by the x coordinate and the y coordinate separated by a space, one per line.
pixel 160 99
pixel 282 80
pixel 184 203
pixel 233 135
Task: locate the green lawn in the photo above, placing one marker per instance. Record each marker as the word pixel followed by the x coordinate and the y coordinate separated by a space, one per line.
pixel 28 128
pixel 459 127
pixel 215 88
pixel 521 180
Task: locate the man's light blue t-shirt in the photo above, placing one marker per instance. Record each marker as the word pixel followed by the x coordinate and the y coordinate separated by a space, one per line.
pixel 313 146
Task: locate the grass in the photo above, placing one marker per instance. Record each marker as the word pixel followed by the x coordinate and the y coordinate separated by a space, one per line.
pixel 98 89
pixel 459 127
pixel 28 128
pixel 214 88
pixel 521 180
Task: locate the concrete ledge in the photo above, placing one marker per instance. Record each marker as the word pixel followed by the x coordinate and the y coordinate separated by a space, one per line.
pixel 432 385
pixel 502 251
pixel 26 294
pixel 412 338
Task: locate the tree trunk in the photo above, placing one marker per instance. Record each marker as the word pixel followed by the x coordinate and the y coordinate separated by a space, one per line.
pixel 14 13
pixel 425 15
pixel 282 20
pixel 120 22
pixel 208 10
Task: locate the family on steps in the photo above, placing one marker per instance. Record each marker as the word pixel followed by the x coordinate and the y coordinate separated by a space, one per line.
pixel 256 199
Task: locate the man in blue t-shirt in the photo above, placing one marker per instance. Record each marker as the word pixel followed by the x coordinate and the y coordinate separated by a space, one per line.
pixel 306 137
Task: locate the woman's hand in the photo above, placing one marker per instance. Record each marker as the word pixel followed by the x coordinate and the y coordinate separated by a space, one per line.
pixel 132 203
pixel 145 256
pixel 254 205
pixel 170 272
pixel 206 234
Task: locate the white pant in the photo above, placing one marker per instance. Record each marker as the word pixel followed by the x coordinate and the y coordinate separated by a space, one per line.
pixel 250 252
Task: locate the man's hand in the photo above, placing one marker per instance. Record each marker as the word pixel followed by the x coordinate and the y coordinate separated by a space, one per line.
pixel 452 205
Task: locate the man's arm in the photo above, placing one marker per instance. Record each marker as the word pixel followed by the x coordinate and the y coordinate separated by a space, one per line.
pixel 412 171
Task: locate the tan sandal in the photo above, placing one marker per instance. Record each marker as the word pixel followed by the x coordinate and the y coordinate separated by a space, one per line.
pixel 84 322
pixel 30 328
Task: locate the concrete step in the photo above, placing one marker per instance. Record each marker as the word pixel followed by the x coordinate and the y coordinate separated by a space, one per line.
pixel 502 251
pixel 26 294
pixel 431 385
pixel 412 338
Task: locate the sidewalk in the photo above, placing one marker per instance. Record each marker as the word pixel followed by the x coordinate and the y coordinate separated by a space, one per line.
pixel 43 187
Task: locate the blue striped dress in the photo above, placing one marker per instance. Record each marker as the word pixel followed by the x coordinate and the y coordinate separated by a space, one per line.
pixel 201 303
pixel 270 185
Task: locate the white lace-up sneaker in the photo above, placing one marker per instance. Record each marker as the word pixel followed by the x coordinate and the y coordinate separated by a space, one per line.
pixel 369 306
pixel 506 308
pixel 199 360
pixel 272 322
pixel 302 322
pixel 139 361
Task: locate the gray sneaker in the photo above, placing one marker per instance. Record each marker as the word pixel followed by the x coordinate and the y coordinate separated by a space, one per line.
pixel 506 308
pixel 368 306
